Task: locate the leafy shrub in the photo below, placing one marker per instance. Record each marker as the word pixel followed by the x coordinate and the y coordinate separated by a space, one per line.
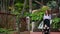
pixel 3 30
pixel 55 23
pixel 38 15
pixel 52 4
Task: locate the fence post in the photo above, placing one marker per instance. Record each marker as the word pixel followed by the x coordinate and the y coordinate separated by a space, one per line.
pixel 33 26
pixel 28 23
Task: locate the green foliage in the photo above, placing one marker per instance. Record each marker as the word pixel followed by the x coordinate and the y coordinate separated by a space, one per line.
pixel 18 8
pixel 38 15
pixel 16 12
pixel 3 30
pixel 26 14
pixel 52 4
pixel 56 20
pixel 19 4
pixel 6 31
pixel 44 8
pixel 56 24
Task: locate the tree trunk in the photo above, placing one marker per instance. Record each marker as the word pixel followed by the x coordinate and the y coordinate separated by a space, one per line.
pixel 21 15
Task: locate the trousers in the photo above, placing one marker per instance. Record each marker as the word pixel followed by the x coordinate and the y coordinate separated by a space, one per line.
pixel 47 22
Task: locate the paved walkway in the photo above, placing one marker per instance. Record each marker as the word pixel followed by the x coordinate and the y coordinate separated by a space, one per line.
pixel 36 32
pixel 26 32
pixel 41 33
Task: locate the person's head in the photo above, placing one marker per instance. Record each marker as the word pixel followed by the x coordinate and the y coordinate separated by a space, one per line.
pixel 47 12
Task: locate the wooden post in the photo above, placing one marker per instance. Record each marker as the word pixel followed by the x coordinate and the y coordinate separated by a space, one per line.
pixel 28 22
pixel 33 26
pixel 30 6
pixel 30 10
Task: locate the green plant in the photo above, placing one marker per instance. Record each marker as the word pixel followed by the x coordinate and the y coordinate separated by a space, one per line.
pixel 3 30
pixel 52 4
pixel 38 15
pixel 6 31
pixel 56 21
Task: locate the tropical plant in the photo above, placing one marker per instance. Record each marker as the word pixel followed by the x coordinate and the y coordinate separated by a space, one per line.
pixel 52 4
pixel 3 30
pixel 56 21
pixel 38 15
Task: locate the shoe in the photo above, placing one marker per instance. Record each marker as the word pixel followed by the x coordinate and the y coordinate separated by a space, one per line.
pixel 47 27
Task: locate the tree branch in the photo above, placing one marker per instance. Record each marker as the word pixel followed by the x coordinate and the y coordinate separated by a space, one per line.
pixel 38 2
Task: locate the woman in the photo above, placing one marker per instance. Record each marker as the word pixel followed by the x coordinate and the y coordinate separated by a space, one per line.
pixel 46 18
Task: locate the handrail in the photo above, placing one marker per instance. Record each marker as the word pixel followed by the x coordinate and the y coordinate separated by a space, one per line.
pixel 8 14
